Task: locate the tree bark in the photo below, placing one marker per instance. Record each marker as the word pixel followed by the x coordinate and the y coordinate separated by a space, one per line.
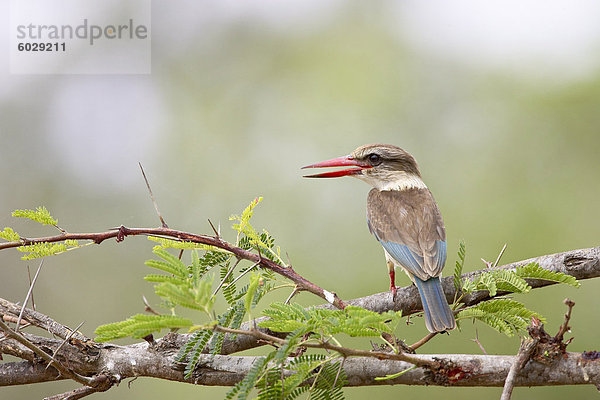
pixel 156 359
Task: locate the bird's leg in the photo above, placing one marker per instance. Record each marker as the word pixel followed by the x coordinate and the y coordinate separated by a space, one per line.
pixel 392 272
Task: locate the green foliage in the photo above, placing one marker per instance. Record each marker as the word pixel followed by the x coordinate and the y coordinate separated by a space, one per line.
pixel 281 374
pixel 252 288
pixel 507 316
pixel 140 325
pixel 243 225
pixel 191 286
pixel 44 249
pixel 534 271
pixel 321 375
pixel 9 235
pixel 513 281
pixel 460 263
pixel 353 321
pixel 177 244
pixel 242 389
pixel 248 237
pixel 40 215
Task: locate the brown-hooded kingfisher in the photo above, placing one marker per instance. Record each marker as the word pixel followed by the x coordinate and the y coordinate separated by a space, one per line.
pixel 405 219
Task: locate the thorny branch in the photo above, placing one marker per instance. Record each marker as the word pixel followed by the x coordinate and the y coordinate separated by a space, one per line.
pixel 344 351
pixel 122 232
pixel 89 358
pixel 540 343
pixel 581 264
pixel 157 360
pixel 450 369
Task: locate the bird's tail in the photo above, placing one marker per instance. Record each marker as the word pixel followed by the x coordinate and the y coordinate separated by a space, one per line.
pixel 438 315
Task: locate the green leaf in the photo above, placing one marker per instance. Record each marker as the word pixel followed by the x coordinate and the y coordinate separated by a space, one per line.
pixel 396 375
pixel 243 388
pixel 40 215
pixel 171 263
pixel 254 281
pixel 10 235
pixel 507 316
pixel 534 271
pixel 353 321
pixel 45 249
pixel 194 348
pixel 508 281
pixel 176 244
pixel 140 325
pixel 459 265
pixel 487 282
pixel 243 225
pixel 198 298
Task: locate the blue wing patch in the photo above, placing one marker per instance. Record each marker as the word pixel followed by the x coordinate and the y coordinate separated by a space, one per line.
pixel 405 257
pixel 414 262
pixel 440 254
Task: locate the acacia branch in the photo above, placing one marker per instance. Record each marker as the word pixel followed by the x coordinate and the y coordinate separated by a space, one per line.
pixel 157 360
pixel 16 336
pixel 581 264
pixel 40 320
pixel 122 232
pixel 344 351
pixel 525 351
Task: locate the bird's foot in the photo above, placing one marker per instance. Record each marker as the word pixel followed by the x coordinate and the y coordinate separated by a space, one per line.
pixel 394 290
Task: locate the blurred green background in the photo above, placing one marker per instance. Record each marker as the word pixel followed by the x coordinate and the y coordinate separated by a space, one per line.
pixel 500 105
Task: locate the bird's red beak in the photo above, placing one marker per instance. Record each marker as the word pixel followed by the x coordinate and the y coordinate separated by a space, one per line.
pixel 338 162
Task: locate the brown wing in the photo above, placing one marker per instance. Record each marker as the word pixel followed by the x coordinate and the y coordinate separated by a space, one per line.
pixel 409 225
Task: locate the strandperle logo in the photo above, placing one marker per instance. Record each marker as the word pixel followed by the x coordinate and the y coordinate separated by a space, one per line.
pixel 85 30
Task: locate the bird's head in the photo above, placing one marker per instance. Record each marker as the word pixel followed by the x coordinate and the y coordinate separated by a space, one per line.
pixel 383 166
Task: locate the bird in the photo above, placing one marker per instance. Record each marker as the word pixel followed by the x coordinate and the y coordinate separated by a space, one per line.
pixel 404 217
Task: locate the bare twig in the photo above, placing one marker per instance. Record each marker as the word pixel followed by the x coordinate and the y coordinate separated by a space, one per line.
pixel 148 308
pixel 29 293
pixel 294 292
pixel 564 328
pixel 29 276
pixel 103 383
pixel 499 256
pixel 11 310
pixel 423 340
pixel 476 340
pixel 226 276
pixel 63 343
pixel 525 351
pixel 162 221
pixel 64 371
pixel 217 234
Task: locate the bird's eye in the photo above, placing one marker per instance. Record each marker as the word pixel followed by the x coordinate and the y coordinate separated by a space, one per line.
pixel 374 159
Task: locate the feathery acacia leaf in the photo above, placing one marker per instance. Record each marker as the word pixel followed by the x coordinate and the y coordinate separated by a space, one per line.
pixel 353 321
pixel 40 215
pixel 140 325
pixel 9 235
pixel 534 271
pixel 183 245
pixel 45 249
pixel 460 263
pixel 504 315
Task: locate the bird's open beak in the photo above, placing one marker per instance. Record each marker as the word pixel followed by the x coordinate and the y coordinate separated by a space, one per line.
pixel 338 162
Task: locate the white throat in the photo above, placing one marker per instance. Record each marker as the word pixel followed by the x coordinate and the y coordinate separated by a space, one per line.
pixel 395 181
